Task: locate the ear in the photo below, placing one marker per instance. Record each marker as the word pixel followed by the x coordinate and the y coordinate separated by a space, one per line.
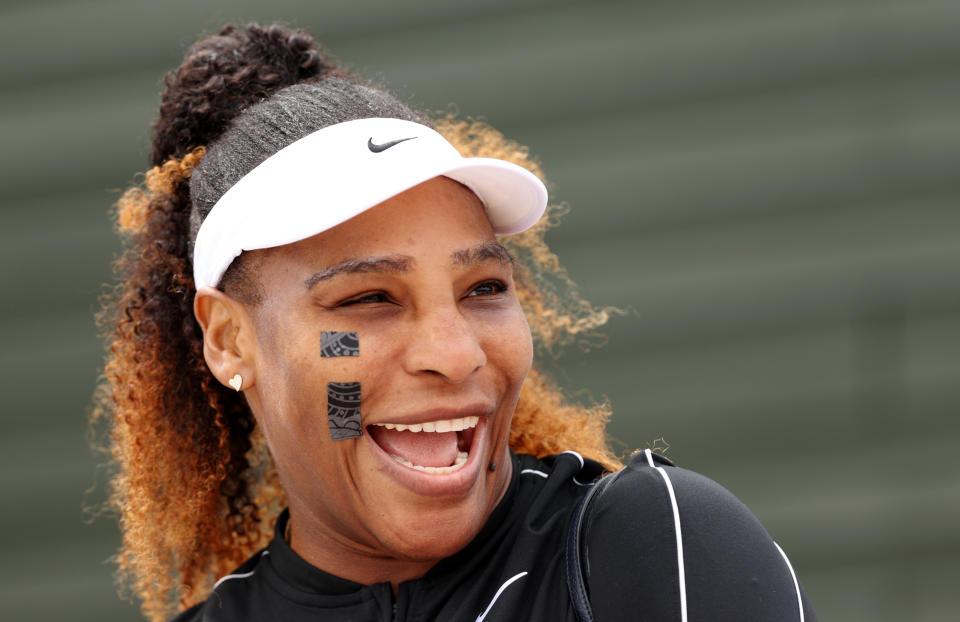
pixel 228 336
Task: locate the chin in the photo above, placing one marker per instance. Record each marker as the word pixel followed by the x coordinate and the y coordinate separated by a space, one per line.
pixel 431 535
pixel 433 544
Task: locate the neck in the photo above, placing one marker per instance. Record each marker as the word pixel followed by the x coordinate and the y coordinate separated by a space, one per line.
pixel 358 566
pixel 356 555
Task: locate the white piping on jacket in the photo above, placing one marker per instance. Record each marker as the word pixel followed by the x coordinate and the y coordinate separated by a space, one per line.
pixel 242 575
pixel 534 472
pixel 796 584
pixel 505 585
pixel 676 527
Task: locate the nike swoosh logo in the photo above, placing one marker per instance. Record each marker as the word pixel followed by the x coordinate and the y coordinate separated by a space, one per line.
pixel 372 146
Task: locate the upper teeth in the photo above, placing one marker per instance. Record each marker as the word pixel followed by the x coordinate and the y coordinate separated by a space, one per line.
pixel 444 425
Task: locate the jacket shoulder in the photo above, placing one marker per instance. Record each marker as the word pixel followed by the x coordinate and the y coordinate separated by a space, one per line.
pixel 663 539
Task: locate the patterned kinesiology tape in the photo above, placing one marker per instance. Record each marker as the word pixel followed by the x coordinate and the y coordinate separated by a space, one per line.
pixel 343 409
pixel 339 343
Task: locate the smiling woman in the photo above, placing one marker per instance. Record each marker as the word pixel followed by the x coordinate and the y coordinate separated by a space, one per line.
pixel 444 340
pixel 322 339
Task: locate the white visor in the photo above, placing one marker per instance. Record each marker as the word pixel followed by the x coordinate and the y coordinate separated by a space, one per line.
pixel 335 173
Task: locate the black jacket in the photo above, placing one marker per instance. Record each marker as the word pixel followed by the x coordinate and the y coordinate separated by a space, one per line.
pixel 515 569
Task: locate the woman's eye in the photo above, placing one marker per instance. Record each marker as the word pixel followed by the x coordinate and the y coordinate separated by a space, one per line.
pixel 371 298
pixel 488 288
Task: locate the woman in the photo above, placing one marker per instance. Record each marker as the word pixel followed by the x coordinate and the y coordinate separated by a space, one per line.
pixel 319 343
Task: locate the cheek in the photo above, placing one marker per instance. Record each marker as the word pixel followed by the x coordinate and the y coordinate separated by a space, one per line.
pixel 294 377
pixel 509 346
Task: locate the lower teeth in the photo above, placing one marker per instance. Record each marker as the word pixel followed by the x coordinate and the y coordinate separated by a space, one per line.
pixel 457 464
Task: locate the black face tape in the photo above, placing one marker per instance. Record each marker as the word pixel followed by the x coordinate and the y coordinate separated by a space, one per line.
pixel 339 343
pixel 343 410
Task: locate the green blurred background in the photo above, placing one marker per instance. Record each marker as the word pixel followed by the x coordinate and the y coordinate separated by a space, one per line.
pixel 770 187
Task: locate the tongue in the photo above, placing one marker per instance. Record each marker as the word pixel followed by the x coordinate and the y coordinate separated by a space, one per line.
pixel 435 449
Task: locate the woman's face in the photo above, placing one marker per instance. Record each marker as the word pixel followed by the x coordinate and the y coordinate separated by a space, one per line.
pixel 423 283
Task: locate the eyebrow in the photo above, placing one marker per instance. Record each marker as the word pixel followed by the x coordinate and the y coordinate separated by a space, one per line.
pixel 379 265
pixel 481 253
pixel 393 264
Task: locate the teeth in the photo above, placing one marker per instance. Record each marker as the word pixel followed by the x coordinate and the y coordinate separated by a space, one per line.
pixel 457 464
pixel 445 425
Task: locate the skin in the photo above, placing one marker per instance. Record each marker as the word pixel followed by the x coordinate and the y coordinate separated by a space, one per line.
pixel 441 335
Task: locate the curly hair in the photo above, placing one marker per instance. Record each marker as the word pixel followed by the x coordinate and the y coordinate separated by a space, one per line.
pixel 195 489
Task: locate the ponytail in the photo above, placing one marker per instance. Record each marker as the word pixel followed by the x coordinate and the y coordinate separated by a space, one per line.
pixel 187 500
pixel 179 439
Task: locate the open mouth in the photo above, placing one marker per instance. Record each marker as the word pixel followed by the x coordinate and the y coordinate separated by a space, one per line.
pixel 437 447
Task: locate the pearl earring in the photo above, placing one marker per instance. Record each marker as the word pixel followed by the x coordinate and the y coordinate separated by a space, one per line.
pixel 236 382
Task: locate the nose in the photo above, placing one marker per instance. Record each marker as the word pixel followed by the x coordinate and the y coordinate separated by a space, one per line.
pixel 442 342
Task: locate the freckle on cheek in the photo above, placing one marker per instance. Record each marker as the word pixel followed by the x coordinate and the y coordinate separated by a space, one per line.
pixel 343 410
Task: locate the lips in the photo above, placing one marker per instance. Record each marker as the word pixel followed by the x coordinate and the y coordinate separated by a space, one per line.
pixel 440 446
pixel 452 472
